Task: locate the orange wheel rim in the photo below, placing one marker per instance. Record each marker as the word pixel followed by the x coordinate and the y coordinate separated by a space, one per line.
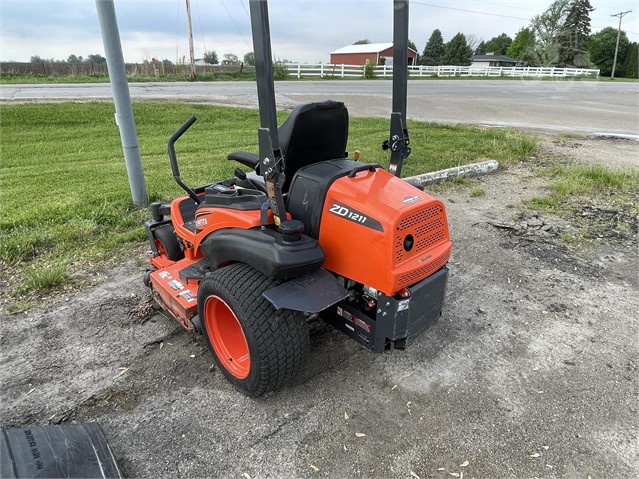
pixel 227 337
pixel 160 247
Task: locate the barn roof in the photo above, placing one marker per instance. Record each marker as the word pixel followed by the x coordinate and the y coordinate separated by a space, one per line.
pixel 365 48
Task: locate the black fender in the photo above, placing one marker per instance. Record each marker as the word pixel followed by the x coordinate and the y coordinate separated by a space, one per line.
pixel 311 293
pixel 265 250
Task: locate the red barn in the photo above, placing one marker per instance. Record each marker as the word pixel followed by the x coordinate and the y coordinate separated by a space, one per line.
pixel 373 52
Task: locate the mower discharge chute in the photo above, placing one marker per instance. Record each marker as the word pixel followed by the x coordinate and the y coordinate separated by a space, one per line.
pixel 308 233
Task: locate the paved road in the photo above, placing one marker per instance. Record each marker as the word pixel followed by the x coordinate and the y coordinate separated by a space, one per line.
pixel 565 106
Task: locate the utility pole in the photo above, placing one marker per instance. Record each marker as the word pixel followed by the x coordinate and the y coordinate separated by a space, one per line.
pixel 190 28
pixel 614 63
pixel 122 100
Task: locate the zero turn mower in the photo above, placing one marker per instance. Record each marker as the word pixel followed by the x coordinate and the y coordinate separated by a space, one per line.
pixel 307 233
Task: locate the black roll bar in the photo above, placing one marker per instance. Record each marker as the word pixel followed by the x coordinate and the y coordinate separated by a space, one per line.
pixel 400 59
pixel 399 140
pixel 264 68
pixel 271 159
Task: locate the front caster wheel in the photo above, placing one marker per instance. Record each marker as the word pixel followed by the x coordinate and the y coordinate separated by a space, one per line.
pixel 257 348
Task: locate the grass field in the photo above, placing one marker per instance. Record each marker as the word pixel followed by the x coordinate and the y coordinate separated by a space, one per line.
pixel 64 191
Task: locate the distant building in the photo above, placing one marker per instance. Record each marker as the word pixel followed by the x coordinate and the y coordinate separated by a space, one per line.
pixel 492 60
pixel 373 52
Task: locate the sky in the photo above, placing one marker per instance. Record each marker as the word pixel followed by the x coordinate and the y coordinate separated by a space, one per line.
pixel 301 30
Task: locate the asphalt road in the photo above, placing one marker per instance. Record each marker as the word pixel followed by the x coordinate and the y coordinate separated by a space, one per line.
pixel 586 107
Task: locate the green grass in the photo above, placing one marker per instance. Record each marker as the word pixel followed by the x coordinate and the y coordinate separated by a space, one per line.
pixel 543 202
pixel 44 278
pixel 477 192
pixel 579 182
pixel 598 201
pixel 64 193
pixel 587 180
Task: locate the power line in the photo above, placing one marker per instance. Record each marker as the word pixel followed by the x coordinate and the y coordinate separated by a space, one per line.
pixel 235 23
pixel 471 11
pixel 199 19
pixel 507 6
pixel 177 34
pixel 599 28
pixel 244 7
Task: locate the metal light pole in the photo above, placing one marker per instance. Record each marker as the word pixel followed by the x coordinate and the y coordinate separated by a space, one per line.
pixel 614 63
pixel 122 100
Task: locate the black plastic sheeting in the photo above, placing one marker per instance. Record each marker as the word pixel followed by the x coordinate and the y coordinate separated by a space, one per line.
pixel 67 450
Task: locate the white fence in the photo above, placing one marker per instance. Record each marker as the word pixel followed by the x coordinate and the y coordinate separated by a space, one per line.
pixel 301 70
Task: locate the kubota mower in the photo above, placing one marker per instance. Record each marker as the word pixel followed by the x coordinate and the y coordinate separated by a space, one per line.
pixel 306 234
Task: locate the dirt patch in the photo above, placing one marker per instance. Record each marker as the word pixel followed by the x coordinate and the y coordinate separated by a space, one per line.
pixel 599 150
pixel 531 371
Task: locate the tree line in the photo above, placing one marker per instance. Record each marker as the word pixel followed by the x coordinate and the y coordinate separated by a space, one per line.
pixel 93 58
pixel 211 58
pixel 559 37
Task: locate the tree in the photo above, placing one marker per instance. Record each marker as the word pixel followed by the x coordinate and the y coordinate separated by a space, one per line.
pixel 74 59
pixel 498 45
pixel 630 65
pixel 434 49
pixel 210 58
pixel 249 59
pixel 36 59
pixel 523 46
pixel 473 42
pixel 481 49
pixel 231 59
pixel 546 27
pixel 574 35
pixel 96 58
pixel 414 47
pixel 364 41
pixel 602 50
pixel 457 51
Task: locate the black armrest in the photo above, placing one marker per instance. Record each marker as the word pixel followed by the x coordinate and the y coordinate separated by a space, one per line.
pixel 248 159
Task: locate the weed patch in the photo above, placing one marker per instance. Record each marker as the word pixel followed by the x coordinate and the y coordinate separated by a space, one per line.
pixel 40 279
pixel 477 192
pixel 599 202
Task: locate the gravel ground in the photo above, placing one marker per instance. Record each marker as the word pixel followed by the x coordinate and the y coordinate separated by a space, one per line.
pixel 531 371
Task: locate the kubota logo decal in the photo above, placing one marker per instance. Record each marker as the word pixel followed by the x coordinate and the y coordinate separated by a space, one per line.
pixel 355 216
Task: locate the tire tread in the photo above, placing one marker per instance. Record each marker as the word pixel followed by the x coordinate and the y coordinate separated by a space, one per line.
pixel 281 337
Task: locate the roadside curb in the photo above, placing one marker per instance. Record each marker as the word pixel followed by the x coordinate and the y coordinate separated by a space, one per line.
pixel 472 170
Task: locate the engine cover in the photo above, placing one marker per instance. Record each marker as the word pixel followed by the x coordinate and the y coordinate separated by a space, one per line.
pixel 374 228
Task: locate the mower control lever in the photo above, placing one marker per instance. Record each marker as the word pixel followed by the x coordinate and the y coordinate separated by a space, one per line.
pixel 174 164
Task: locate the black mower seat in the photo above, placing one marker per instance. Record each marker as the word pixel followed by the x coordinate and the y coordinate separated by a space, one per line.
pixel 311 133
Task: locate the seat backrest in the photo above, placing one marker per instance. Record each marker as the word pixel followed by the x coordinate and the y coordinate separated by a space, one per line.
pixel 313 132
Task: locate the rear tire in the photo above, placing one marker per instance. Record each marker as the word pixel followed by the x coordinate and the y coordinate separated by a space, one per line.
pixel 257 348
pixel 168 243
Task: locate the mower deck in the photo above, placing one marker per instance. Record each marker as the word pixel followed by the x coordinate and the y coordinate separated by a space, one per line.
pixel 176 285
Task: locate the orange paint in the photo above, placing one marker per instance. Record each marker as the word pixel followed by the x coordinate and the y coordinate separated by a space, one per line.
pixel 379 258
